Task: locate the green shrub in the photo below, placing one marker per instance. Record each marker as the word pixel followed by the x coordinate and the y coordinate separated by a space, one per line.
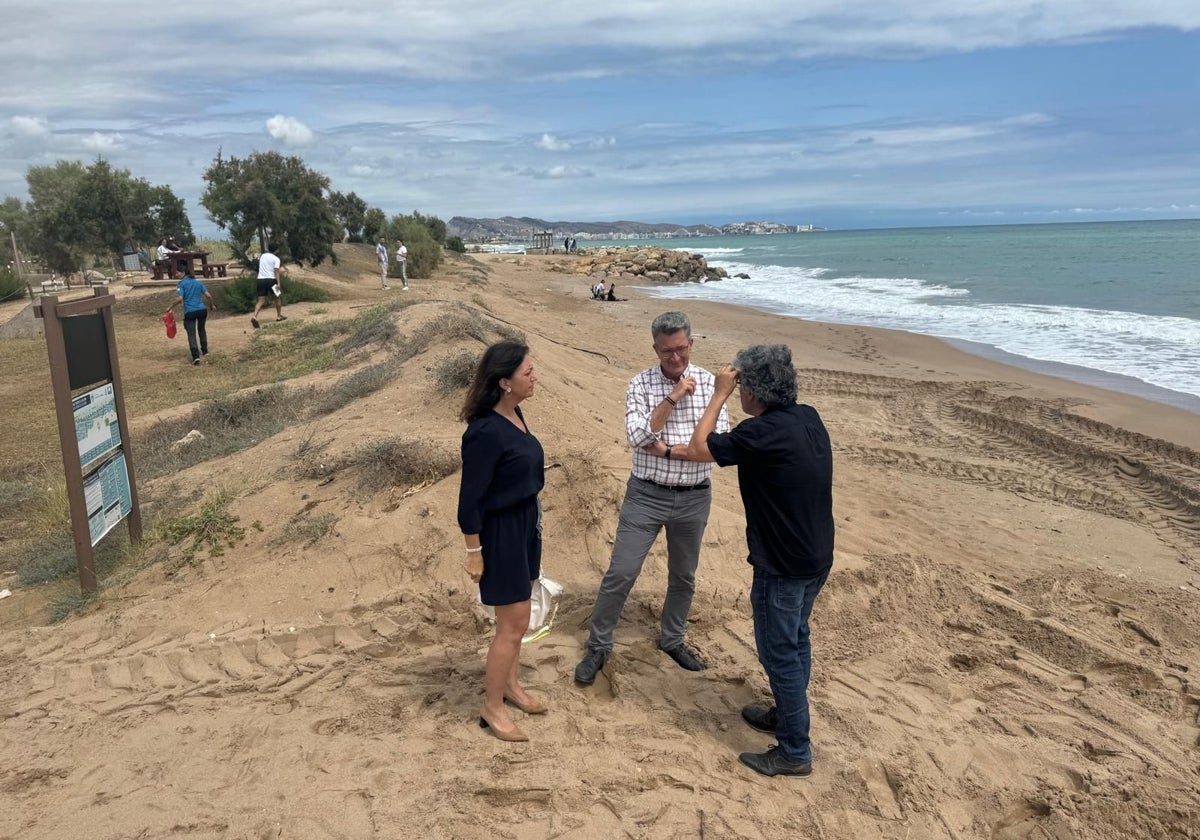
pixel 11 287
pixel 239 295
pixel 424 252
pixel 455 243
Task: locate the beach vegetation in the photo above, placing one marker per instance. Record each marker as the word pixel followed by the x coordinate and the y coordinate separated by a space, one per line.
pixel 11 287
pixel 239 295
pixel 14 220
pixel 351 212
pixel 374 223
pixel 456 244
pixel 77 213
pixel 418 233
pixel 306 529
pixel 453 373
pixel 213 528
pixel 399 462
pixel 267 198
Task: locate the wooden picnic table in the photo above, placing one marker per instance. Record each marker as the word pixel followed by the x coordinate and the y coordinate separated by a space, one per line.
pixel 179 263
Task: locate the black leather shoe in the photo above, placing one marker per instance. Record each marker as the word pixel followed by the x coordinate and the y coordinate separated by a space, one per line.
pixel 772 763
pixel 685 659
pixel 761 718
pixel 593 661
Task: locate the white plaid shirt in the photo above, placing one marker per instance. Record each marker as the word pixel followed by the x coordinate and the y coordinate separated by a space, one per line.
pixel 646 391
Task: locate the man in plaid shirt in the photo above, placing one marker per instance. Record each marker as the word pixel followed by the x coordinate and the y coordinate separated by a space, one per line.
pixel 662 407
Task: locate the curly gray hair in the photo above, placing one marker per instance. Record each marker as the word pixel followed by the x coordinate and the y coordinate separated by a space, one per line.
pixel 670 322
pixel 766 371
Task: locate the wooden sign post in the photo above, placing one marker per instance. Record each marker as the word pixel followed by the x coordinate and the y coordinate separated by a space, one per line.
pixel 93 430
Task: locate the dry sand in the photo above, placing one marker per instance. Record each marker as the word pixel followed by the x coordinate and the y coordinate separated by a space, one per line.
pixel 1004 649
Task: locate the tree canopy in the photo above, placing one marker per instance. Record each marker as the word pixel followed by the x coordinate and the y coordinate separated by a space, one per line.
pixel 76 213
pixel 273 199
pixel 351 212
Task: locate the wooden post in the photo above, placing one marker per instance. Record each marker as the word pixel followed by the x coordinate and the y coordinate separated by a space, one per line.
pixel 60 384
pixel 52 312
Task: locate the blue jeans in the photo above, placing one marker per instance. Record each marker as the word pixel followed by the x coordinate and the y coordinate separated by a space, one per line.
pixel 781 607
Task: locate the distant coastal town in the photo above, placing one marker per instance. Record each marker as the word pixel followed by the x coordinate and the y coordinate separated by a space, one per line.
pixel 525 229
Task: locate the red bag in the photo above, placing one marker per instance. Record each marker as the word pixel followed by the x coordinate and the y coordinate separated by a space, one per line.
pixel 169 320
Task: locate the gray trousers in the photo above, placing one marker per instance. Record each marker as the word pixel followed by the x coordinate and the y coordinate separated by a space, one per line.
pixel 647 509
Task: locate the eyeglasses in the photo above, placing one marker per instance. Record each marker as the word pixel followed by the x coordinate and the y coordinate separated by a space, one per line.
pixel 667 352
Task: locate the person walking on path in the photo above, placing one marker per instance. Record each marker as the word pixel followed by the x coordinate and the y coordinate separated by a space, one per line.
pixel 381 256
pixel 192 294
pixel 402 264
pixel 503 470
pixel 665 490
pixel 269 285
pixel 785 475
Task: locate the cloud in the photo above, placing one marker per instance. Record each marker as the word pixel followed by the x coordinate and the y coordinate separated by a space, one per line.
pixel 97 142
pixel 552 144
pixel 290 130
pixel 29 126
pixel 555 172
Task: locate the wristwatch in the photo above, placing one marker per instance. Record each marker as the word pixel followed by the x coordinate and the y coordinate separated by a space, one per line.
pixel 668 453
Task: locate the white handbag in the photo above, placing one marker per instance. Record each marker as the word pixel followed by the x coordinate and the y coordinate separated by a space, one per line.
pixel 543 607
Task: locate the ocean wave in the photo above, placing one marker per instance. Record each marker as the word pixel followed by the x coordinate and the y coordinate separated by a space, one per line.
pixel 1160 350
pixel 710 252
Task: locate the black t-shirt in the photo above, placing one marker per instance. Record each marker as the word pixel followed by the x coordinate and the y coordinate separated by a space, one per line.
pixel 785 474
pixel 502 466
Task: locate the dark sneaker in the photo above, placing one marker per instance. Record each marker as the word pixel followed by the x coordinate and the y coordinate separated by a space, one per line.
pixel 761 718
pixel 195 361
pixel 772 763
pixel 593 661
pixel 685 659
pixel 254 323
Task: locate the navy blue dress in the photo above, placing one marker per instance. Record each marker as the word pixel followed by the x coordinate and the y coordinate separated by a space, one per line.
pixel 503 472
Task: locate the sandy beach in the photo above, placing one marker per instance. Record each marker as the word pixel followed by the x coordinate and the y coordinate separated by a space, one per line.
pixel 1004 649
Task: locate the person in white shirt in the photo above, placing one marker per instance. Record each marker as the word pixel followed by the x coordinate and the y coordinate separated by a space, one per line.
pixel 662 407
pixel 402 264
pixel 269 285
pixel 382 258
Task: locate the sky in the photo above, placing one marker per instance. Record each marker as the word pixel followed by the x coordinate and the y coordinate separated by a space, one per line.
pixel 843 114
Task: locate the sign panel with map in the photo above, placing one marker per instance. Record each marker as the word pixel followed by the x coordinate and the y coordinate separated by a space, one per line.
pixel 107 494
pixel 96 427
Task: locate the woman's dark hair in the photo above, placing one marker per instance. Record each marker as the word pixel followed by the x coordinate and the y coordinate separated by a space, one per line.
pixel 500 361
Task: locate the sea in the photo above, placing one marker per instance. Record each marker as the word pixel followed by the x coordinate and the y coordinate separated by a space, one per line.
pixel 1114 304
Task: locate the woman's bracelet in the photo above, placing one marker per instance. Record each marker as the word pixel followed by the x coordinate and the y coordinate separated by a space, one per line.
pixel 474 550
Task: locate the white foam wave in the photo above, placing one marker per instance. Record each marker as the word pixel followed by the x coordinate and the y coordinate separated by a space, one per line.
pixel 1160 350
pixel 710 252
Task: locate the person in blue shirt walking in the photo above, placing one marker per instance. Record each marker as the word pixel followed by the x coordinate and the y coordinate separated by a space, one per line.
pixel 192 294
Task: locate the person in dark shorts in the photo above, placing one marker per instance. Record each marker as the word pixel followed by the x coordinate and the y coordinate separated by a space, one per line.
pixel 192 294
pixel 785 475
pixel 268 280
pixel 503 472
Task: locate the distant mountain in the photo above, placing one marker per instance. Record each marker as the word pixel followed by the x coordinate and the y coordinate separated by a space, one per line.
pixel 512 228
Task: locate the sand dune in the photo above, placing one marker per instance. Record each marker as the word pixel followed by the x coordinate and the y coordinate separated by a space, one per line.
pixel 1004 650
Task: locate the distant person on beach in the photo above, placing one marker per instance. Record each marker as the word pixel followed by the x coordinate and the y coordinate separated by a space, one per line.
pixel 612 292
pixel 503 470
pixel 567 245
pixel 598 289
pixel 665 490
pixel 381 256
pixel 785 474
pixel 402 264
pixel 192 294
pixel 572 244
pixel 270 285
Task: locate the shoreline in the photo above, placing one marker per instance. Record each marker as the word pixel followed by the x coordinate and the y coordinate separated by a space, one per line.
pixel 1078 374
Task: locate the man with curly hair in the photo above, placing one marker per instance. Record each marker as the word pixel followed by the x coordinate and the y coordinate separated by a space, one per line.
pixel 785 475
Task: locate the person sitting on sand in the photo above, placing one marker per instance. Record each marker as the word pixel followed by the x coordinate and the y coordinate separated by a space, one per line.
pixel 598 289
pixel 612 292
pixel 785 474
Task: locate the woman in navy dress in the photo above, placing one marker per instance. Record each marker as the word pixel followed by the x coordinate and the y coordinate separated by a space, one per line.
pixel 503 472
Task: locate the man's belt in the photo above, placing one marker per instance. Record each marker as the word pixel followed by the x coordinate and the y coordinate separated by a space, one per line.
pixel 678 488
